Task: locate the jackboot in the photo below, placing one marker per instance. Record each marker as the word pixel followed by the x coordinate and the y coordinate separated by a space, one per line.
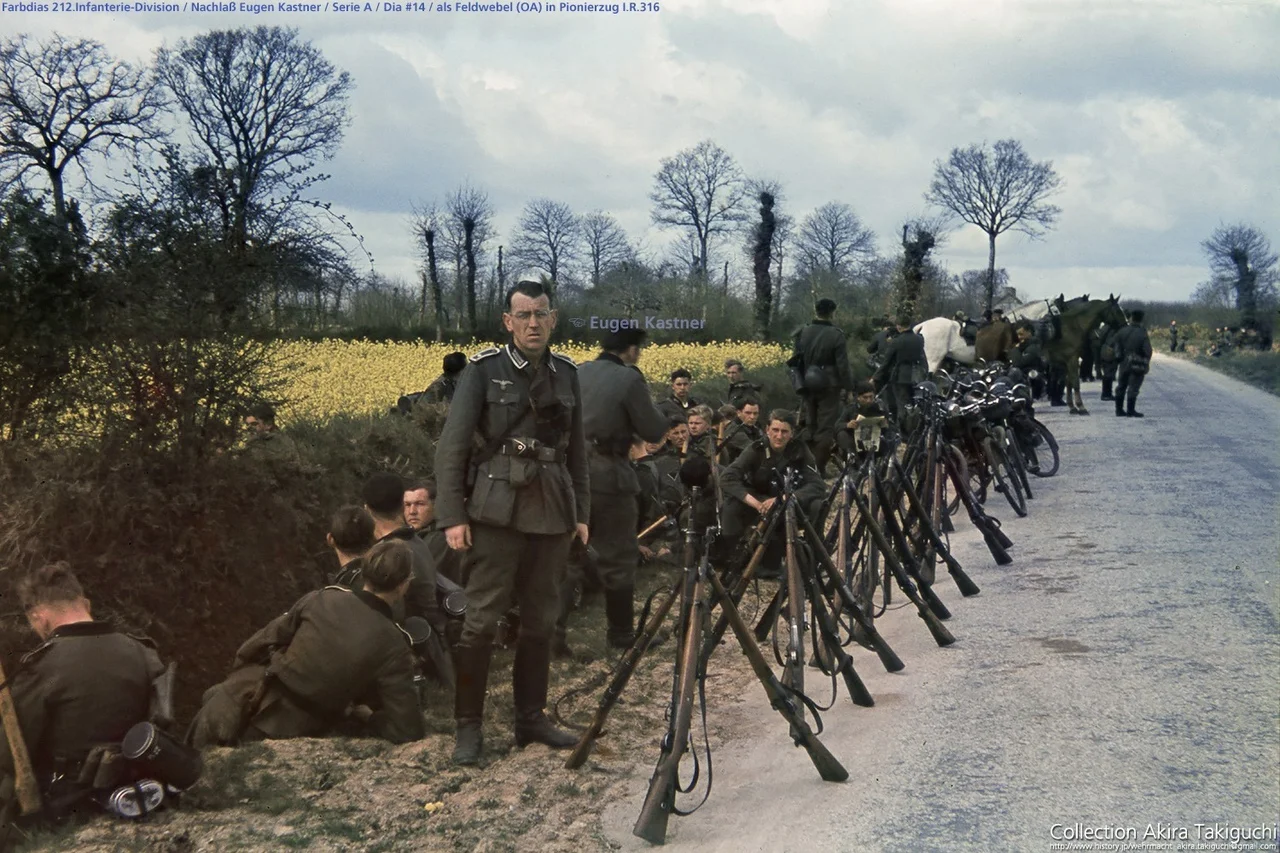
pixel 529 679
pixel 1133 401
pixel 472 664
pixel 619 612
pixel 1106 388
pixel 1120 412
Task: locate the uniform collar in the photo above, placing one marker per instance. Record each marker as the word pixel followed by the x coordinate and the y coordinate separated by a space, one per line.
pixel 608 356
pixel 374 602
pixel 817 322
pixel 82 629
pixel 518 359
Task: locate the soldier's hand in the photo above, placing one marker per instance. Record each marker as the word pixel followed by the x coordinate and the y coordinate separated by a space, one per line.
pixel 765 506
pixel 458 537
pixel 583 533
pixel 646 552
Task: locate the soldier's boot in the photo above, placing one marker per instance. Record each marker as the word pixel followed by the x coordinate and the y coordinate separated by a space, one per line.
pixel 1106 388
pixel 1120 412
pixel 529 679
pixel 472 664
pixel 1133 401
pixel 619 611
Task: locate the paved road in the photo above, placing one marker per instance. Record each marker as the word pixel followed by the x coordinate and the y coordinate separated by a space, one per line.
pixel 1123 672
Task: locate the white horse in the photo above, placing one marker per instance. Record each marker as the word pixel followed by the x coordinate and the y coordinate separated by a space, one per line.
pixel 1037 310
pixel 942 338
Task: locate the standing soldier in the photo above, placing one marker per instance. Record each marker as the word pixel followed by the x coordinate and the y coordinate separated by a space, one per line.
pixel 513 506
pixel 822 350
pixel 1133 351
pixel 904 365
pixel 1173 336
pixel 616 407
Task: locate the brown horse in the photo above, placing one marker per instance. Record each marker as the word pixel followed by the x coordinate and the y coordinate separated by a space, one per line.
pixel 1078 318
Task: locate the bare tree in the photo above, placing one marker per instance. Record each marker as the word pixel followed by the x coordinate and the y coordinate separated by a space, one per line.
pixel 606 244
pixel 547 237
pixel 833 239
pixel 426 228
pixel 997 189
pixel 264 107
pixel 1241 255
pixel 63 99
pixel 470 218
pixel 701 189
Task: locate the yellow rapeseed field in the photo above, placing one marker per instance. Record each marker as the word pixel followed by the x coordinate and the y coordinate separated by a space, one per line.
pixel 363 377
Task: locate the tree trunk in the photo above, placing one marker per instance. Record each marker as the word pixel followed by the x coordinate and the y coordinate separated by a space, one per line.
pixel 433 272
pixel 762 264
pixel 1246 289
pixel 469 230
pixel 991 270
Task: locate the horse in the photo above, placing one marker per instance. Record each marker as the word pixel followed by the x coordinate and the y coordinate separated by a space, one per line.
pixel 1077 318
pixel 942 339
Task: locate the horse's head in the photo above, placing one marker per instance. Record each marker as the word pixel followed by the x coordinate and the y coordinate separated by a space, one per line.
pixel 1112 314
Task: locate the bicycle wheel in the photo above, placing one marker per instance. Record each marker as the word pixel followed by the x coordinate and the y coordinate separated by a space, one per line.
pixel 1014 453
pixel 1045 451
pixel 1009 485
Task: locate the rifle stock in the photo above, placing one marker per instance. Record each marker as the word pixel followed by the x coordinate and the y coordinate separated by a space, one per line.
pixel 963 581
pixel 827 765
pixel 25 784
pixel 622 674
pixel 890 659
pixel 651 825
pixel 939 631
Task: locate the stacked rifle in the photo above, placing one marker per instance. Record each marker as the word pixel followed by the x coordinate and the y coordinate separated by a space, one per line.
pixel 881 533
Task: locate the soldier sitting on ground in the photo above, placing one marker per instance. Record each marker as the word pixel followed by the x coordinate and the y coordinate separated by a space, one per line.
pixel 679 402
pixel 753 484
pixel 739 387
pixel 350 536
pixel 384 499
pixel 334 663
pixel 743 431
pixel 86 685
pixel 265 441
pixel 420 514
pixel 702 440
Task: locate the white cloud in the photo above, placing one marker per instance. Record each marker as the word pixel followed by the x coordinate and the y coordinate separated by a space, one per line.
pixel 1160 116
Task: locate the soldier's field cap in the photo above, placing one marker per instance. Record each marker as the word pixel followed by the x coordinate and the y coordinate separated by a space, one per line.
pixel 617 341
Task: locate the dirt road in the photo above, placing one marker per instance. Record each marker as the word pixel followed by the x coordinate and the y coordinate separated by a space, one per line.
pixel 1123 674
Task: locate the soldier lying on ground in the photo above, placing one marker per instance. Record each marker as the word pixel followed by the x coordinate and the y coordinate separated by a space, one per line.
pixel 334 663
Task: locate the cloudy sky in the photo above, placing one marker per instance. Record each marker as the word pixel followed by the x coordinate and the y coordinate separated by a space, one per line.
pixel 1161 116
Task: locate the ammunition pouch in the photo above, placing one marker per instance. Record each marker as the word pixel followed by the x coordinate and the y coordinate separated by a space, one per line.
pixel 1137 365
pixel 819 377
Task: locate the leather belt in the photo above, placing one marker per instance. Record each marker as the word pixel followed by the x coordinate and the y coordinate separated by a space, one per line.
pixel 531 448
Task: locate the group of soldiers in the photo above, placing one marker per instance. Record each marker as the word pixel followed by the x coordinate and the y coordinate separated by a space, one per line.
pixel 537 453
